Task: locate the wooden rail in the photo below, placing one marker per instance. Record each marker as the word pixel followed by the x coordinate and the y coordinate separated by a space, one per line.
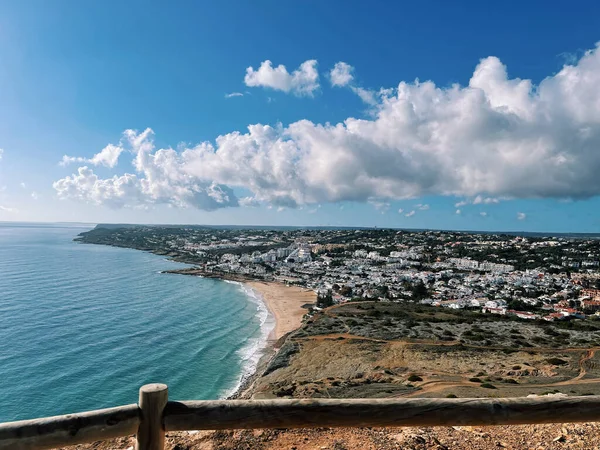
pixel 155 415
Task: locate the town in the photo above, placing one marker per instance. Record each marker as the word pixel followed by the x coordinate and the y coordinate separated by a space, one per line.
pixel 551 278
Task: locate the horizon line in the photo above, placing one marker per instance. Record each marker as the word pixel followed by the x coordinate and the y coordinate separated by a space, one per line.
pixel 352 227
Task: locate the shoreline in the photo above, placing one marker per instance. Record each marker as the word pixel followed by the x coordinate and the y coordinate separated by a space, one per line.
pixel 285 306
pixel 285 303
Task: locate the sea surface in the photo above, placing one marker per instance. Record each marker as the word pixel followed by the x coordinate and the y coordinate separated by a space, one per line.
pixel 84 326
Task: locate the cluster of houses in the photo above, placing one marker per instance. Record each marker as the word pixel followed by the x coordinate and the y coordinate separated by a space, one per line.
pixel 428 258
pixel 562 310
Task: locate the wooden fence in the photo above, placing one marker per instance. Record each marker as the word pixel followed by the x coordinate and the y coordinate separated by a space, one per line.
pixel 154 415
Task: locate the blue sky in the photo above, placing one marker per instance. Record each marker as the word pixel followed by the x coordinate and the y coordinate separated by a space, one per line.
pixel 479 147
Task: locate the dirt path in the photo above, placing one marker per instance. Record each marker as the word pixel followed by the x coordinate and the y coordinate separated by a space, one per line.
pixel 582 363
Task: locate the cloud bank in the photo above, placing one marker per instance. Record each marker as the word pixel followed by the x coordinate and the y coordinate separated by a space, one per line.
pixel 497 137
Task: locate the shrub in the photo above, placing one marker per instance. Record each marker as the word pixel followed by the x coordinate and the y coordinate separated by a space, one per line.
pixel 511 381
pixel 516 367
pixel 415 378
pixel 487 386
pixel 451 396
pixel 556 361
pixel 475 380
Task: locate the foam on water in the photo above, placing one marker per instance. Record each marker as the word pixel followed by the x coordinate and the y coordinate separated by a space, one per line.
pixel 251 353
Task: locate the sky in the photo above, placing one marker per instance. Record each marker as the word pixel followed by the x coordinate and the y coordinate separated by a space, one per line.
pixel 459 115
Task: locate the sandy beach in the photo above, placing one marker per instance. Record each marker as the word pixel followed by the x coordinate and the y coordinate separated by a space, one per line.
pixel 285 303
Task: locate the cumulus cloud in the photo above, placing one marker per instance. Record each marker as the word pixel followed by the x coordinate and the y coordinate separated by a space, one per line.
pixel 458 211
pixel 34 195
pixel 162 180
pixel 422 207
pixel 341 74
pixel 483 214
pixel 1 153
pixel 410 214
pixel 521 216
pixel 497 137
pixel 302 81
pixel 109 156
pixel 234 94
pixel 400 211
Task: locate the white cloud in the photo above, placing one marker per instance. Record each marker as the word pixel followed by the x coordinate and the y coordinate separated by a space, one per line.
pixel 485 200
pixel 366 95
pixel 34 195
pixel 458 211
pixel 302 81
pixel 495 138
pixel 410 214
pixel 7 209
pixel 483 214
pixel 162 180
pixel 341 74
pixel 422 207
pixel 249 202
pixel 380 205
pixel 521 216
pixel 400 211
pixel 234 94
pixel 477 200
pixel 1 153
pixel 108 156
pixel 23 185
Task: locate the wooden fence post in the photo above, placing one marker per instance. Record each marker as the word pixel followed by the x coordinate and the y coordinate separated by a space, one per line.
pixel 151 433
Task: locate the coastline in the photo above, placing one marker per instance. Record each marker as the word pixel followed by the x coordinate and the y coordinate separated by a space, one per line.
pixel 285 305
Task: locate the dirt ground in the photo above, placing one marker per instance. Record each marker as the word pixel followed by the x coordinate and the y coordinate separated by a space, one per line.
pixel 536 437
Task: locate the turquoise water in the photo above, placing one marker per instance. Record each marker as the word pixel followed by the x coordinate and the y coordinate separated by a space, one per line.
pixel 84 326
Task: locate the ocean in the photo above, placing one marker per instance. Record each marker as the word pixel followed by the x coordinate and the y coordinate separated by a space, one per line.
pixel 84 326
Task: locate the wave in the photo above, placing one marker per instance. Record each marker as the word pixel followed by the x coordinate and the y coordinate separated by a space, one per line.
pixel 251 353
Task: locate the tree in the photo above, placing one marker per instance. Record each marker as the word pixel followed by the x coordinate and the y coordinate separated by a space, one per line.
pixel 324 300
pixel 346 291
pixel 419 291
